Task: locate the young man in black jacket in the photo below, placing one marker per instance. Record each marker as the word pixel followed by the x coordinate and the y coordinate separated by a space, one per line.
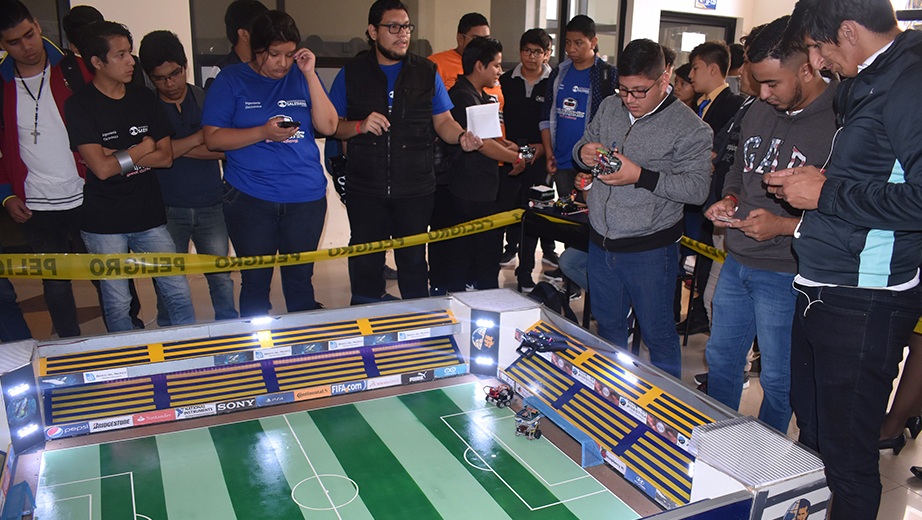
pixel 473 182
pixel 859 244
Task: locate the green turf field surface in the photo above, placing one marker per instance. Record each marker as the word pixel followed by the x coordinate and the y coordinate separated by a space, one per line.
pixel 441 453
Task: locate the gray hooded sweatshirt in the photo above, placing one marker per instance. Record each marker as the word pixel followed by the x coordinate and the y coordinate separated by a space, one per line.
pixel 672 146
pixel 772 140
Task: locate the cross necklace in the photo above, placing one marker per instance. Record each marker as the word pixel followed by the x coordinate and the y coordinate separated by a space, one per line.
pixel 35 133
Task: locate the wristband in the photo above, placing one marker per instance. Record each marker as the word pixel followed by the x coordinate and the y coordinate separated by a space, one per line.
pixel 736 201
pixel 460 136
pixel 124 161
pixel 357 125
pixel 517 161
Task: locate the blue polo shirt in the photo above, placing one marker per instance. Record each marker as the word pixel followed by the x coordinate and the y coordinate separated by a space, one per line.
pixel 189 183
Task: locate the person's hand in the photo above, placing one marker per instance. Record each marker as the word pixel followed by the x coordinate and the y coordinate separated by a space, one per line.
pixel 470 142
pixel 589 154
pixel 305 60
pixel 724 208
pixel 518 167
pixel 148 145
pixel 375 123
pixel 274 132
pixel 763 225
pixel 582 179
pixel 18 210
pixel 550 163
pixel 539 151
pixel 800 187
pixel 628 174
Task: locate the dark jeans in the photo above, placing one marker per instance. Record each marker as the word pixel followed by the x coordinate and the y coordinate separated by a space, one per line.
pixel 443 214
pixel 13 326
pixel 475 258
pixel 376 218
pixel 513 193
pixel 260 227
pixel 846 345
pixel 205 227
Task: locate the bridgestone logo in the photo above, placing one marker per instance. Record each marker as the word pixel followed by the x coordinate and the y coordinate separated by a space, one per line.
pixel 111 424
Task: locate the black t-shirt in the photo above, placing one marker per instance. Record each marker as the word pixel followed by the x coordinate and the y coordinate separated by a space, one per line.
pixel 119 204
pixel 473 175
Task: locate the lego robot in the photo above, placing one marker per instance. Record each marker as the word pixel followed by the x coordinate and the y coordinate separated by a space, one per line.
pixel 526 423
pixel 499 395
pixel 534 341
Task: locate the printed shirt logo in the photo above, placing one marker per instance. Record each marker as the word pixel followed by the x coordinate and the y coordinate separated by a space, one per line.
pixel 292 103
pixel 580 90
pixel 108 136
pixel 138 130
pixel 247 105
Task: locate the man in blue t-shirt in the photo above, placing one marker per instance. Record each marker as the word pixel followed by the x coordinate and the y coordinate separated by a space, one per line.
pixel 192 187
pixel 391 105
pixel 574 91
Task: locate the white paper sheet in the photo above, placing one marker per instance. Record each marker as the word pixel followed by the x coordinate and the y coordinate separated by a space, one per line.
pixel 483 120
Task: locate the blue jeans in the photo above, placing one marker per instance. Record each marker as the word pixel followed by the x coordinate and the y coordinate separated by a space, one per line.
pixel 747 303
pixel 574 264
pixel 260 227
pixel 116 297
pixel 846 346
pixel 646 281
pixel 205 226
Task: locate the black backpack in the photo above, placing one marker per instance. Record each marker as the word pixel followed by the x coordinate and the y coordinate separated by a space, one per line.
pixel 553 299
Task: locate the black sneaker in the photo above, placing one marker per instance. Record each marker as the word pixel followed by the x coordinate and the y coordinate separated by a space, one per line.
pixel 526 284
pixel 551 259
pixel 701 378
pixel 389 273
pixel 507 259
pixel 697 327
pixel 746 379
pixel 555 276
pixel 576 294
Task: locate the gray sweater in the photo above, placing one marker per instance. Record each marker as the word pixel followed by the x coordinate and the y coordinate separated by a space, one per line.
pixel 672 145
pixel 772 140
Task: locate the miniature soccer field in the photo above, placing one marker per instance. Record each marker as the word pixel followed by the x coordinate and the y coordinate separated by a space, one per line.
pixel 441 453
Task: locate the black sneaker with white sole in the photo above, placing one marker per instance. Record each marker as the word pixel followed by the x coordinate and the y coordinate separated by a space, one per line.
pixel 555 276
pixel 551 259
pixel 508 258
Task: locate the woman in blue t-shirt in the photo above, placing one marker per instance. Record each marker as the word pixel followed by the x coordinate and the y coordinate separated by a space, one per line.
pixel 262 114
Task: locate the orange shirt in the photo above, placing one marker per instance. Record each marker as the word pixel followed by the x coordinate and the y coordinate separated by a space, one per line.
pixel 449 67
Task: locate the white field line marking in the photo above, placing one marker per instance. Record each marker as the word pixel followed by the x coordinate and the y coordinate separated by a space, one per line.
pixel 319 481
pixel 134 506
pixel 522 459
pixel 88 497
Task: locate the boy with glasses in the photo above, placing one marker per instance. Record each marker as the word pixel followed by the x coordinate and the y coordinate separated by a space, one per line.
pixel 635 213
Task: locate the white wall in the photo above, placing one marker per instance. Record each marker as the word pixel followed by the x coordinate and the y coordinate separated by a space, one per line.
pixel 644 15
pixel 142 17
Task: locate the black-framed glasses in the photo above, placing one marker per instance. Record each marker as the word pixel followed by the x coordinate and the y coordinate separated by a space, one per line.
pixel 395 28
pixel 638 94
pixel 158 79
pixel 532 52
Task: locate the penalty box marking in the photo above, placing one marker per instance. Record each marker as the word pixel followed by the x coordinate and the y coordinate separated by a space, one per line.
pixel 512 489
pixel 134 506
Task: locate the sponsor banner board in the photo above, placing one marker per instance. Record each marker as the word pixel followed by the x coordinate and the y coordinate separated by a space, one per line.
pixel 456 370
pixel 383 382
pixel 112 423
pixel 154 417
pixel 348 388
pixel 417 377
pixel 380 339
pixel 406 335
pixel 271 353
pixel 66 430
pixel 308 348
pixel 111 374
pixel 197 410
pixel 236 405
pixel 271 399
pixel 233 358
pixel 314 392
pixel 339 344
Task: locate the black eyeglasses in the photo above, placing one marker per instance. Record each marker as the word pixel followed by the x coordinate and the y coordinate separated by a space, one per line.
pixel 532 52
pixel 395 28
pixel 638 94
pixel 158 79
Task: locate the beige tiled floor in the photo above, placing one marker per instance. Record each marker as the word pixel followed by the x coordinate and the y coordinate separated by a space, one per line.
pixel 902 493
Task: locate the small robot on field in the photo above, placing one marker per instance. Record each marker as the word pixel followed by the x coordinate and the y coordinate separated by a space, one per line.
pixel 499 395
pixel 526 423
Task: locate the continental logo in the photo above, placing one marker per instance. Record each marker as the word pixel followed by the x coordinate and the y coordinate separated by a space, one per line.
pixel 312 393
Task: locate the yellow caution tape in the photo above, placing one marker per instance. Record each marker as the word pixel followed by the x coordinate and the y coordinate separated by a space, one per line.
pixel 122 266
pixel 709 251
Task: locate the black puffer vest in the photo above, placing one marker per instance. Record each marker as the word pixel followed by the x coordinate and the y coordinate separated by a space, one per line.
pixel 398 163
